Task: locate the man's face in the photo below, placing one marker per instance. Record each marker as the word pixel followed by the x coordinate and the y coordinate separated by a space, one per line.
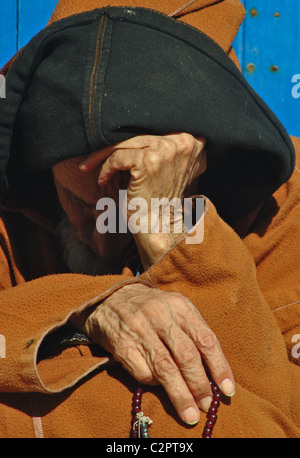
pixel 78 193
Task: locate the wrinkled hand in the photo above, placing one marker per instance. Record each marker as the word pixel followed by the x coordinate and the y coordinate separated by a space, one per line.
pixel 161 167
pixel 160 338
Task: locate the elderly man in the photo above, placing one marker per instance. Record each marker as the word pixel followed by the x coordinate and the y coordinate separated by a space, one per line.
pixel 131 99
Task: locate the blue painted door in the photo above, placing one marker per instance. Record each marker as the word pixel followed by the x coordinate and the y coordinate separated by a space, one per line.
pixel 33 16
pixel 20 20
pixel 268 47
pixel 8 30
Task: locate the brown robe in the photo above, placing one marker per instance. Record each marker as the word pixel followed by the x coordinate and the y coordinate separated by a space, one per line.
pixel 244 281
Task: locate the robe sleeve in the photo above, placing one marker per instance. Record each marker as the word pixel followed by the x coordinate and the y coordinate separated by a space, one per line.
pixel 33 310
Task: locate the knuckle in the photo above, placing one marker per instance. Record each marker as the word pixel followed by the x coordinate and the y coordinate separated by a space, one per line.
pixel 141 372
pixel 115 158
pixel 207 341
pixel 138 327
pixel 152 306
pixel 177 295
pixel 182 303
pixel 163 365
pixel 180 298
pixel 187 142
pixel 152 160
pixel 132 290
pixel 188 356
pixel 165 149
pixel 168 147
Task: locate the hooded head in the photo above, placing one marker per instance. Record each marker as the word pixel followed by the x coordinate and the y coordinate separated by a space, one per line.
pixel 97 77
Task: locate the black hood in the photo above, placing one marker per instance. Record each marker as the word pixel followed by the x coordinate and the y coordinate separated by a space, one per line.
pixel 96 78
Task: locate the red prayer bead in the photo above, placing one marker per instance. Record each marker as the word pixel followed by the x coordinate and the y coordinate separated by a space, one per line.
pixel 212 417
pixel 212 413
pixel 136 409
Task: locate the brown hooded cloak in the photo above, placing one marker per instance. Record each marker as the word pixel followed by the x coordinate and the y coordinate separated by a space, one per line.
pixel 243 278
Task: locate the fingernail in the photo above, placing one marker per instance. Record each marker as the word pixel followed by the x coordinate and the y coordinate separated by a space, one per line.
pixel 191 416
pixel 227 387
pixel 205 403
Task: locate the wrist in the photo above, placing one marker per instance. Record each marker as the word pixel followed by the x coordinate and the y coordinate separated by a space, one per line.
pixel 78 321
pixel 152 247
pixel 157 230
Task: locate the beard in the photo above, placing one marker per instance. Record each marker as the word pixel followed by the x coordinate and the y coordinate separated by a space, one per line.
pixel 81 259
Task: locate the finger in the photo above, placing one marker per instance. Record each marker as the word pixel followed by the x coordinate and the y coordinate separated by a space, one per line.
pixel 156 366
pixel 167 373
pixel 135 363
pixel 193 324
pixel 95 158
pixel 140 142
pixel 189 362
pixel 217 364
pixel 120 160
pixel 212 353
